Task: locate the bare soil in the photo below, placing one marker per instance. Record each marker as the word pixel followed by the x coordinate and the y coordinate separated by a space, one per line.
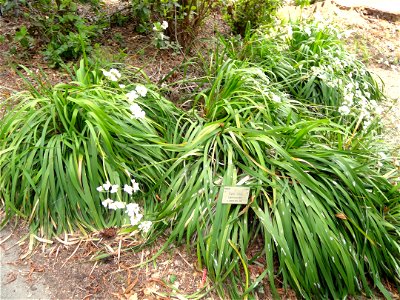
pixel 67 268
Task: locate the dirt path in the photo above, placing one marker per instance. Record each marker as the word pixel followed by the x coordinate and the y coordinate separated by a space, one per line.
pixel 390 6
pixel 19 279
pixel 391 115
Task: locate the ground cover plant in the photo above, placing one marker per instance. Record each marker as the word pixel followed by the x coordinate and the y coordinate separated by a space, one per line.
pixel 250 14
pixel 53 27
pixel 323 215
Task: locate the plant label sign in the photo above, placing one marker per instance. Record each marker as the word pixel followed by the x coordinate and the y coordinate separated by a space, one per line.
pixel 235 195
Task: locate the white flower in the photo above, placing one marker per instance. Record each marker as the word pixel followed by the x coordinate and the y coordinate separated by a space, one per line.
pixel 132 209
pixel 349 86
pixel 379 109
pixel 307 30
pixel 164 25
pixel 155 28
pixel 107 186
pixel 141 90
pixel 106 203
pixel 348 98
pixel 382 155
pixel 289 32
pixel 106 73
pixel 132 96
pixel 112 75
pixel 366 123
pixel 316 70
pixel 128 189
pixel 137 112
pixel 114 188
pixel 100 188
pixel 135 185
pixel 115 72
pixel 122 86
pixel 344 110
pixel 135 219
pixel 117 205
pixel 145 226
pixel 363 102
pixel 276 98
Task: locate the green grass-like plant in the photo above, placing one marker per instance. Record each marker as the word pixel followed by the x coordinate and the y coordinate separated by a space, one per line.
pixel 59 144
pixel 321 209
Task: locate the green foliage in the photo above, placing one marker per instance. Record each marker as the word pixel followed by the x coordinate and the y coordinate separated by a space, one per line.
pixel 311 63
pixel 8 6
pixel 302 2
pixel 141 11
pixel 59 144
pixel 56 27
pixel 23 38
pixel 317 205
pixel 243 13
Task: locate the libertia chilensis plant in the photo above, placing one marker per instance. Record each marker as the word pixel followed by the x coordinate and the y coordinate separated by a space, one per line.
pixel 73 137
pixel 309 195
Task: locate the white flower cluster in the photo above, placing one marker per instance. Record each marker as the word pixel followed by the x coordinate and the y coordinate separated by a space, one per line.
pixel 289 33
pixel 113 188
pixel 139 91
pixel 108 187
pixel 276 98
pixel 157 26
pixel 112 75
pixel 145 226
pixel 132 209
pixel 161 40
pixel 111 204
pixel 137 111
pixel 354 97
pixel 382 157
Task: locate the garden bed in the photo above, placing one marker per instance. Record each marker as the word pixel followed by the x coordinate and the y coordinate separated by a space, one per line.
pixel 76 277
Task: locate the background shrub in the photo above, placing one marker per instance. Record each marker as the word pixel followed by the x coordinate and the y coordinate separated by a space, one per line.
pixel 56 27
pixel 252 13
pixel 184 17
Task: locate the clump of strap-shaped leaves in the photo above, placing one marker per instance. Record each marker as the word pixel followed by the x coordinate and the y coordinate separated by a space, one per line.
pixel 58 144
pixel 328 220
